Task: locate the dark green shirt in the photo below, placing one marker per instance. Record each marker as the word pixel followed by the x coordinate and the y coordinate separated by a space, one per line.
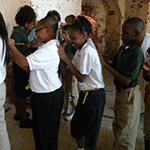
pixel 69 50
pixel 129 63
pixel 20 36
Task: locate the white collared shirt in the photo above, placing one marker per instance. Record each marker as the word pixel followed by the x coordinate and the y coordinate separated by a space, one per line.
pixel 87 63
pixel 2 66
pixel 44 64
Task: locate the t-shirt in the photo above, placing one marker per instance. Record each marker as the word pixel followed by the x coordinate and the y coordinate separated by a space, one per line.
pixel 43 65
pixel 87 63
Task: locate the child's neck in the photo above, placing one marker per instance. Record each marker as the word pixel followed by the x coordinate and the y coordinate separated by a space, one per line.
pixel 23 28
pixel 132 43
pixel 49 39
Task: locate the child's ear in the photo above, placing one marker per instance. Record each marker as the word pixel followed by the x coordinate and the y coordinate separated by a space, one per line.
pixel 137 33
pixel 84 35
pixel 50 29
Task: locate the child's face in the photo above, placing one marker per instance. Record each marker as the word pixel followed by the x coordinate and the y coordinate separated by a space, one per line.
pixel 128 35
pixel 30 26
pixel 65 35
pixel 41 33
pixel 76 38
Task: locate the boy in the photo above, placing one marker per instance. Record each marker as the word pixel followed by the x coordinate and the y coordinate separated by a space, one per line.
pixel 47 92
pixel 125 68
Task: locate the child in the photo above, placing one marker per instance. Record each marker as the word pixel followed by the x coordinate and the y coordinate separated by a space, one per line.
pixel 25 18
pixel 88 71
pixel 4 59
pixel 51 13
pixel 146 76
pixel 70 88
pixel 125 68
pixel 47 93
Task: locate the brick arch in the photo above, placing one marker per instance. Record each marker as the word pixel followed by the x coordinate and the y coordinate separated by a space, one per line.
pixel 108 17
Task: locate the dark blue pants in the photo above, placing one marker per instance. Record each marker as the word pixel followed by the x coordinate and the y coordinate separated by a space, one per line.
pixel 46 108
pixel 87 118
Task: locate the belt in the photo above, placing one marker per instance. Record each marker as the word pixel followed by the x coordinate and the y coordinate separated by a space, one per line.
pixel 122 88
pixel 86 94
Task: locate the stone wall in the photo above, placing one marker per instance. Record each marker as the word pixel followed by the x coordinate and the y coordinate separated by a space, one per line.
pixel 64 7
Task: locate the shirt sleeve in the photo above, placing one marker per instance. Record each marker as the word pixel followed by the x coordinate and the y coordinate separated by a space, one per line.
pixel 86 65
pixel 42 59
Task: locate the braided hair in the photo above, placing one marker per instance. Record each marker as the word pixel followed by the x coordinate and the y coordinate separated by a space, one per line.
pixel 82 24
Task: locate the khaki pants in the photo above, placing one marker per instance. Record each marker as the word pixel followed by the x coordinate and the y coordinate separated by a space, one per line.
pixel 4 140
pixel 70 89
pixel 127 113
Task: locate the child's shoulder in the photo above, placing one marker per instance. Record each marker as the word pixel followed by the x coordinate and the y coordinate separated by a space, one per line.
pixel 17 32
pixel 88 48
pixel 50 44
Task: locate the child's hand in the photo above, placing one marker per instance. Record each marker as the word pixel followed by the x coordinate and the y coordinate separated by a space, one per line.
pixel 33 44
pixel 61 51
pixel 146 67
pixel 103 62
pixel 147 57
pixel 73 79
pixel 11 42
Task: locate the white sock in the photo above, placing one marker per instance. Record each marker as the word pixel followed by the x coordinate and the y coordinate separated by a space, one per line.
pixel 80 148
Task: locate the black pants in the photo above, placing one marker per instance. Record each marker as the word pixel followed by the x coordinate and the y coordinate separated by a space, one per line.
pixel 46 110
pixel 87 118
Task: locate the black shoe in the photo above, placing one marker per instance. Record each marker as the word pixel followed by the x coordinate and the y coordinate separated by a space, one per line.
pixel 18 117
pixel 26 124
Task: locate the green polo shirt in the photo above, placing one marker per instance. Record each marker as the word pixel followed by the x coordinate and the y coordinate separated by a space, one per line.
pixel 129 63
pixel 70 50
pixel 20 36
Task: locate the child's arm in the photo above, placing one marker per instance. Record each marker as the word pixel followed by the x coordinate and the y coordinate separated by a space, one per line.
pixel 64 71
pixel 121 78
pixel 72 68
pixel 19 59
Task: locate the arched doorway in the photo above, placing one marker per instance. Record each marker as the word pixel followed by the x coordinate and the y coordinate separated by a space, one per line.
pixel 108 17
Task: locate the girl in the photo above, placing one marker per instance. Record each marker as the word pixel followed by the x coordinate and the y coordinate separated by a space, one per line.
pixel 25 18
pixel 4 59
pixel 88 71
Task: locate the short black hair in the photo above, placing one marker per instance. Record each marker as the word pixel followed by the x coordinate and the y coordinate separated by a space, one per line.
pixel 82 24
pixel 66 27
pixel 54 13
pixel 25 15
pixel 49 21
pixel 70 19
pixel 136 24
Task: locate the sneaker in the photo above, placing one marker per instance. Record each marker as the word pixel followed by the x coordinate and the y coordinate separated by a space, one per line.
pixel 62 112
pixel 68 112
pixel 26 124
pixel 142 116
pixel 69 117
pixel 18 117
